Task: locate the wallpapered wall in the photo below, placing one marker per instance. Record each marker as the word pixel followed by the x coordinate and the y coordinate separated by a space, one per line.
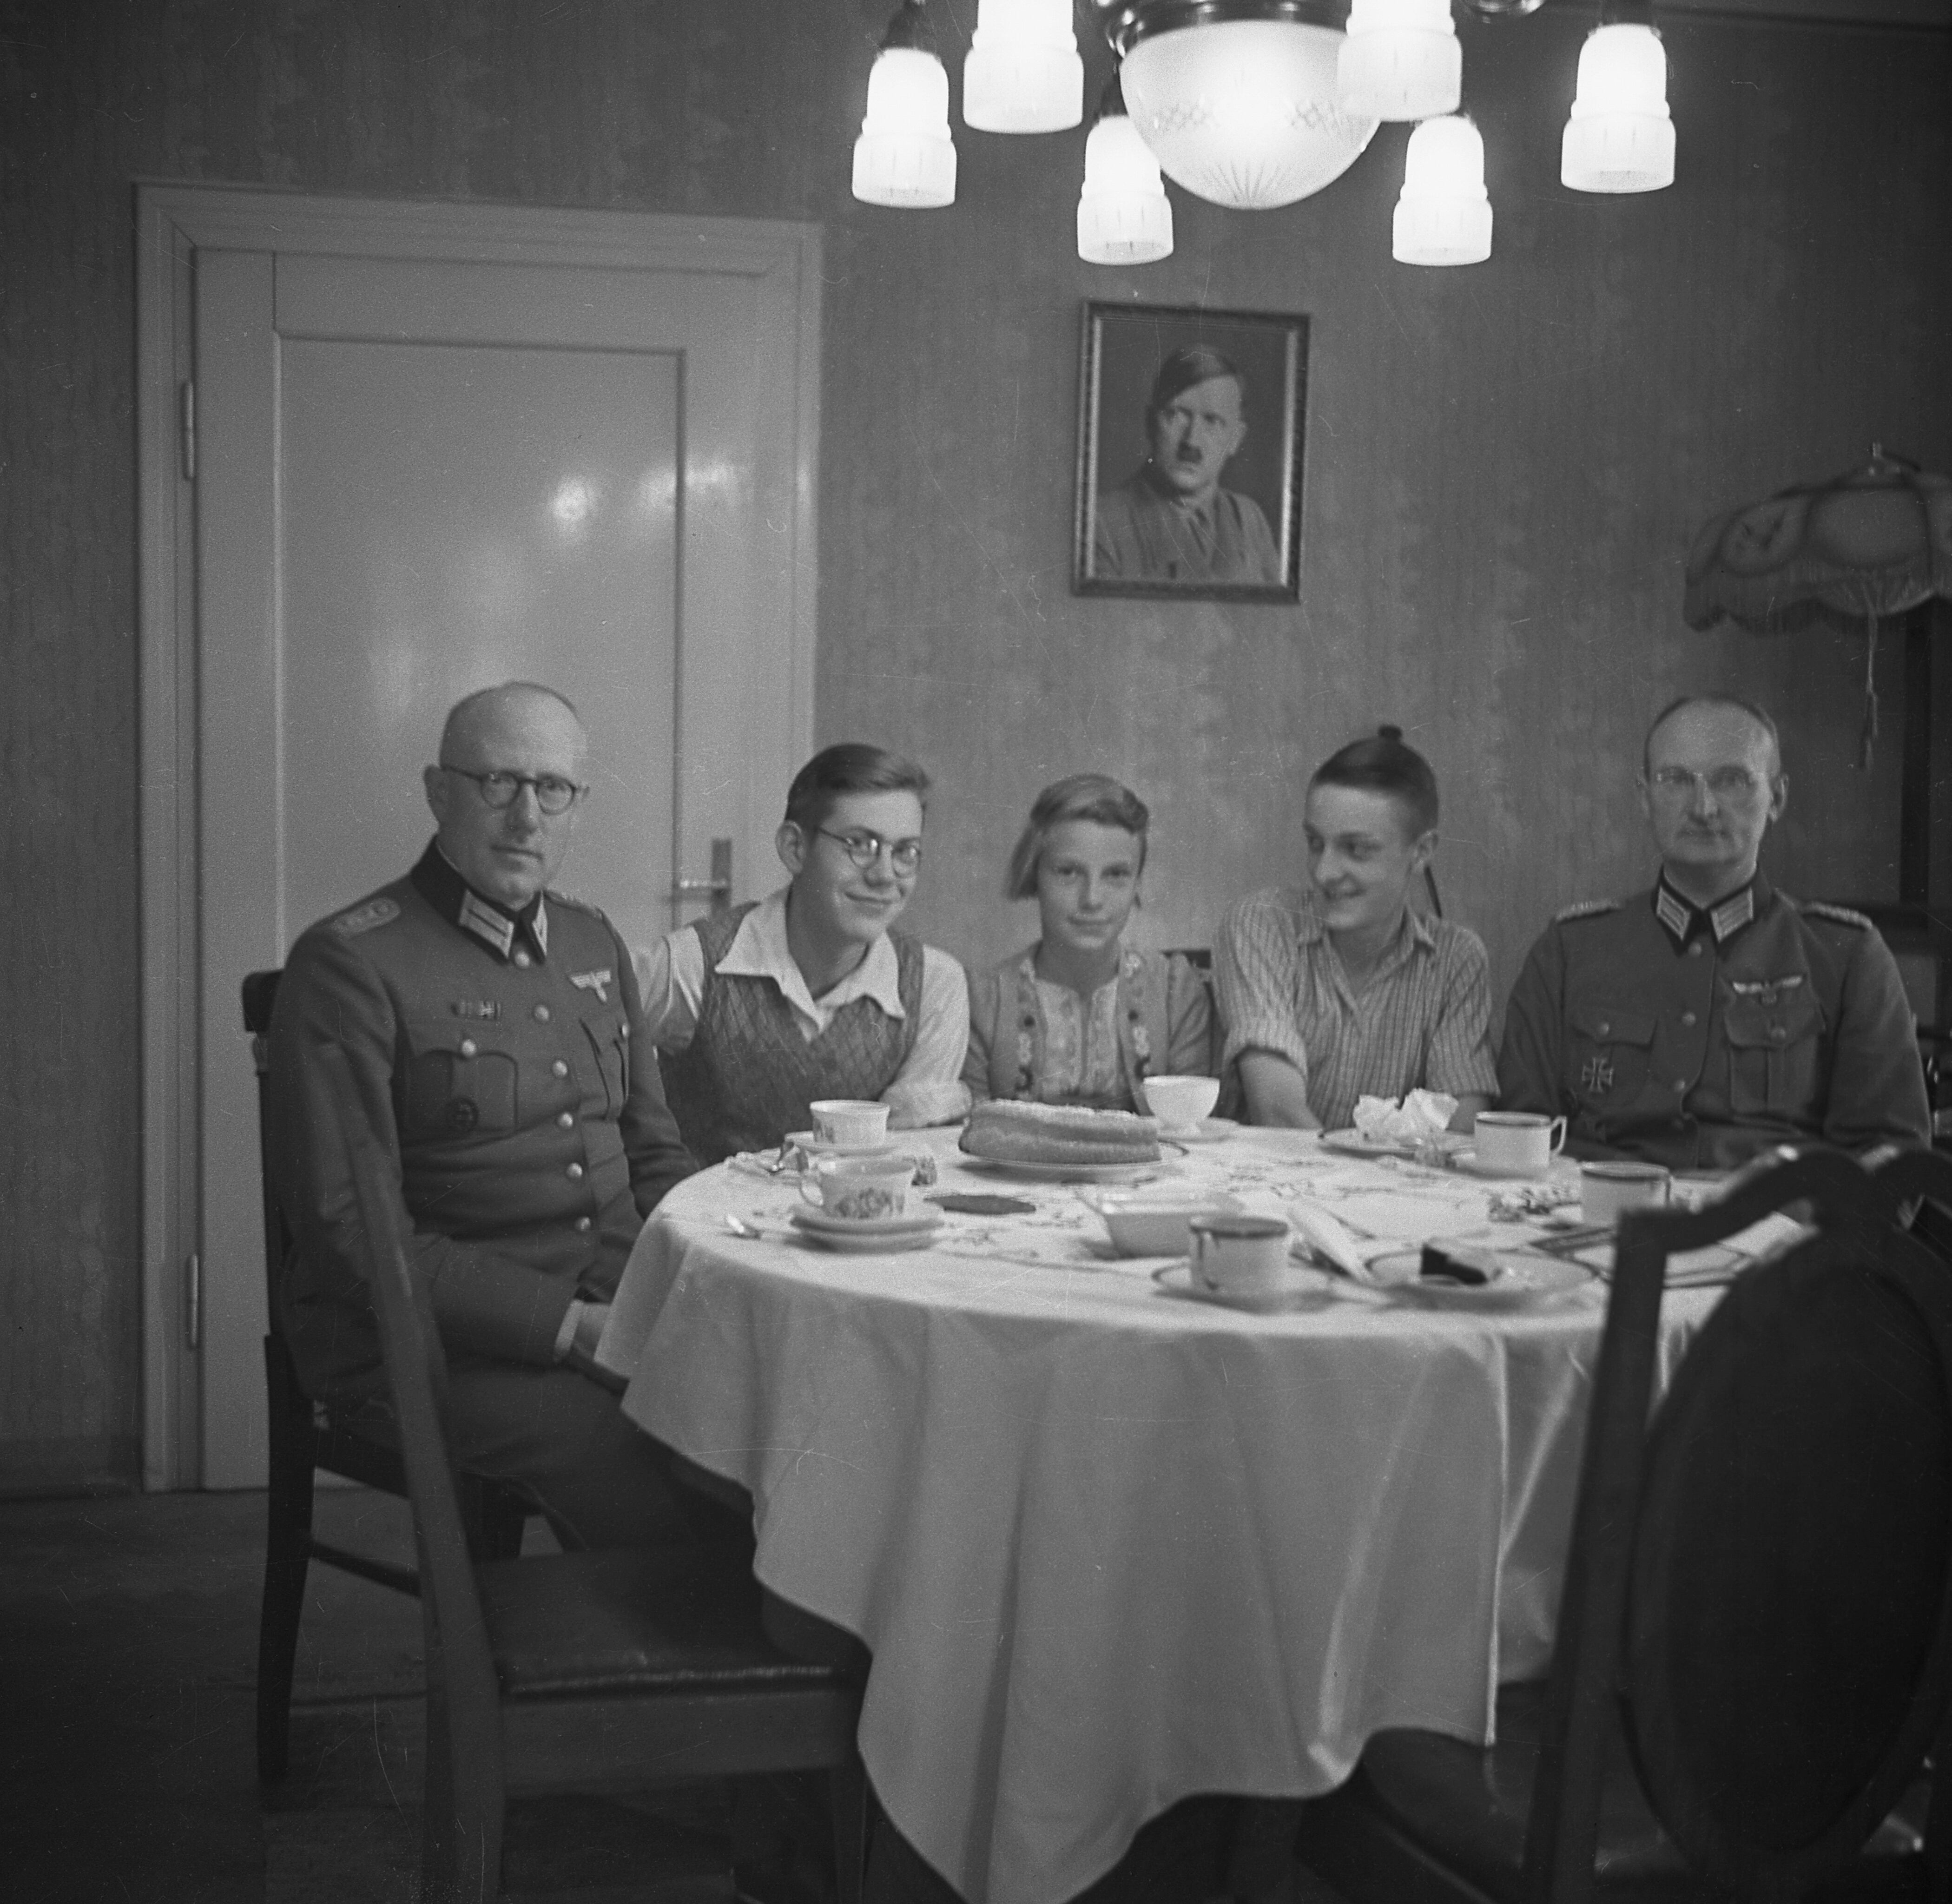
pixel 1504 466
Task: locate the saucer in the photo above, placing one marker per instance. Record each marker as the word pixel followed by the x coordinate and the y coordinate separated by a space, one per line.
pixel 1467 1161
pixel 884 1235
pixel 1208 1130
pixel 1351 1143
pixel 1176 1279
pixel 815 1146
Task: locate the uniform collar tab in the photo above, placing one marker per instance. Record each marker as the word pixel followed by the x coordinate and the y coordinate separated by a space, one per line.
pixel 504 933
pixel 1720 921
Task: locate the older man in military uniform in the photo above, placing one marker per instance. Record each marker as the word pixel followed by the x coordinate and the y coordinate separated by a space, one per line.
pixel 494 1036
pixel 1700 1022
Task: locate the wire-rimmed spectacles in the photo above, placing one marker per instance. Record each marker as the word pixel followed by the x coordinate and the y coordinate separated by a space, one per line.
pixel 499 789
pixel 1724 782
pixel 864 848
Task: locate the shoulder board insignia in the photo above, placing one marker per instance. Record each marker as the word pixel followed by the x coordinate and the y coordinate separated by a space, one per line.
pixel 364 918
pixel 1843 916
pixel 1585 909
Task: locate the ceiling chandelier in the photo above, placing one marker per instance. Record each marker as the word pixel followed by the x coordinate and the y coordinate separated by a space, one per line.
pixel 1253 104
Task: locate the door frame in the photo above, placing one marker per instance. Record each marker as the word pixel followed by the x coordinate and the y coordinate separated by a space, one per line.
pixel 172 223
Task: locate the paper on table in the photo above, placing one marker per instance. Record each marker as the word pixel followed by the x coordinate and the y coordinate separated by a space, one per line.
pixel 1326 1237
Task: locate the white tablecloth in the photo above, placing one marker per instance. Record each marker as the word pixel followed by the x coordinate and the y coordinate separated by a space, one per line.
pixel 1110 1548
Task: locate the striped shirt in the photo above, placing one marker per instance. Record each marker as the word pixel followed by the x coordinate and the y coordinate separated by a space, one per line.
pixel 1424 1019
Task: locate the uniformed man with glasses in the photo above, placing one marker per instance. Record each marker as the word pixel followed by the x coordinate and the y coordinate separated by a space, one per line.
pixel 810 992
pixel 495 1037
pixel 1701 1021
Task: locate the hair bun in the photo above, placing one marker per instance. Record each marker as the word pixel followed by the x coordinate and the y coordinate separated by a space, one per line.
pixel 1389 733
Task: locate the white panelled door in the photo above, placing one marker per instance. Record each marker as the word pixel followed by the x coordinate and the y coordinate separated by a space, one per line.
pixel 414 475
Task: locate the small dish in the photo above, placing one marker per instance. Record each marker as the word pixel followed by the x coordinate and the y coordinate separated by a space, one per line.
pixel 1535 1279
pixel 1150 1224
pixel 1351 1143
pixel 1468 1162
pixel 1303 1286
pixel 885 1236
pixel 1064 1173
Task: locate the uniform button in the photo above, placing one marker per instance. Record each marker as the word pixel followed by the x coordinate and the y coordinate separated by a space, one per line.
pixel 583 1225
pixel 560 1068
pixel 468 1047
pixel 1688 1018
pixel 624 1030
pixel 523 960
pixel 1681 1084
pixel 1605 1030
pixel 1777 1032
pixel 542 1015
pixel 574 1173
pixel 567 1119
pixel 1695 950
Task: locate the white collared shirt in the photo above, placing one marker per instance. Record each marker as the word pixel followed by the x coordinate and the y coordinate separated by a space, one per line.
pixel 928 1088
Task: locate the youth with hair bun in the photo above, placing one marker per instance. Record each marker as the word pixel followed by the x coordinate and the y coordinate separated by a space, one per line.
pixel 1340 989
pixel 1080 1017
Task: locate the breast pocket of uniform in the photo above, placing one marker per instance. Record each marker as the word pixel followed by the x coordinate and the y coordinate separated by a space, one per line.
pixel 457 1084
pixel 1607 1055
pixel 1774 1052
pixel 610 1044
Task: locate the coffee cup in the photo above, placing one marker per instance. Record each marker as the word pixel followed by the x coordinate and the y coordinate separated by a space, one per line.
pixel 1179 1103
pixel 1238 1255
pixel 1608 1190
pixel 859 1190
pixel 1518 1143
pixel 851 1123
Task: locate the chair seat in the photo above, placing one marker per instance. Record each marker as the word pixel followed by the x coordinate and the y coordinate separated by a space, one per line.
pixel 683 1620
pixel 1467 1806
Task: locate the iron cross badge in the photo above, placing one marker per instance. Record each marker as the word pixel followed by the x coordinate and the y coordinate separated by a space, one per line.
pixel 1597 1077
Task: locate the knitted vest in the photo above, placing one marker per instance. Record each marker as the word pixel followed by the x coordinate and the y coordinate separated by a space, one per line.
pixel 748 1076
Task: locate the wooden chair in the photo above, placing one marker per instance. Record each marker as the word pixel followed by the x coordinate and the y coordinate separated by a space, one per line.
pixel 579 1671
pixel 1752 1656
pixel 304 1438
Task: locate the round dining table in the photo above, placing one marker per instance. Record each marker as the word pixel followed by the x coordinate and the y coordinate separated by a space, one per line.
pixel 1109 1544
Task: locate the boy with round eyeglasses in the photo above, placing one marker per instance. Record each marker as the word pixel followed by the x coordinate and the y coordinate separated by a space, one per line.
pixel 1699 1022
pixel 810 992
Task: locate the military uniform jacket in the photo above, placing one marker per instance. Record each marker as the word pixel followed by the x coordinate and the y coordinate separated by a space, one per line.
pixel 1792 1026
pixel 497 1064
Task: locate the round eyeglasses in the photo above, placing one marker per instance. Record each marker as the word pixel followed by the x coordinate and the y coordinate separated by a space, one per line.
pixel 864 848
pixel 499 789
pixel 1724 782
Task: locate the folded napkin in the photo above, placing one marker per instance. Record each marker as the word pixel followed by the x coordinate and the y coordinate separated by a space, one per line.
pixel 1328 1238
pixel 1421 1116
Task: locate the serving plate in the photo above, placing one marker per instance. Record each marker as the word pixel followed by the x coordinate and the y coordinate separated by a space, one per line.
pixel 1030 1173
pixel 884 1235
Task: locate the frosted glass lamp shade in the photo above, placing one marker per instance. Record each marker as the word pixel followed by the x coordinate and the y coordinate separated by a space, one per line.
pixel 1124 216
pixel 1620 138
pixel 1443 216
pixel 1401 60
pixel 903 156
pixel 1243 112
pixel 1023 74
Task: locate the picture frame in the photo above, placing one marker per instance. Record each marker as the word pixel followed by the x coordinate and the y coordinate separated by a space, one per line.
pixel 1184 488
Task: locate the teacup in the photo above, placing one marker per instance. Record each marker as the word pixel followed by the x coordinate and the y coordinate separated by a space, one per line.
pixel 1608 1190
pixel 859 1190
pixel 1179 1103
pixel 1239 1255
pixel 851 1123
pixel 1518 1143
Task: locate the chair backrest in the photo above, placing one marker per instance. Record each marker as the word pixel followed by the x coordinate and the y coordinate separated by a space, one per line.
pixel 260 994
pixel 461 1669
pixel 1762 1575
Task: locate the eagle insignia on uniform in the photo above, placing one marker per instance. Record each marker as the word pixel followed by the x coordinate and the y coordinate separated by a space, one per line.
pixel 1585 909
pixel 595 982
pixel 364 918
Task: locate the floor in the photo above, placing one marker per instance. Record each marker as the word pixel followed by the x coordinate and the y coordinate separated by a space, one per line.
pixel 128 1636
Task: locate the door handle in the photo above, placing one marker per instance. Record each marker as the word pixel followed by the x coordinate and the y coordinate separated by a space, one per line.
pixel 718 888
